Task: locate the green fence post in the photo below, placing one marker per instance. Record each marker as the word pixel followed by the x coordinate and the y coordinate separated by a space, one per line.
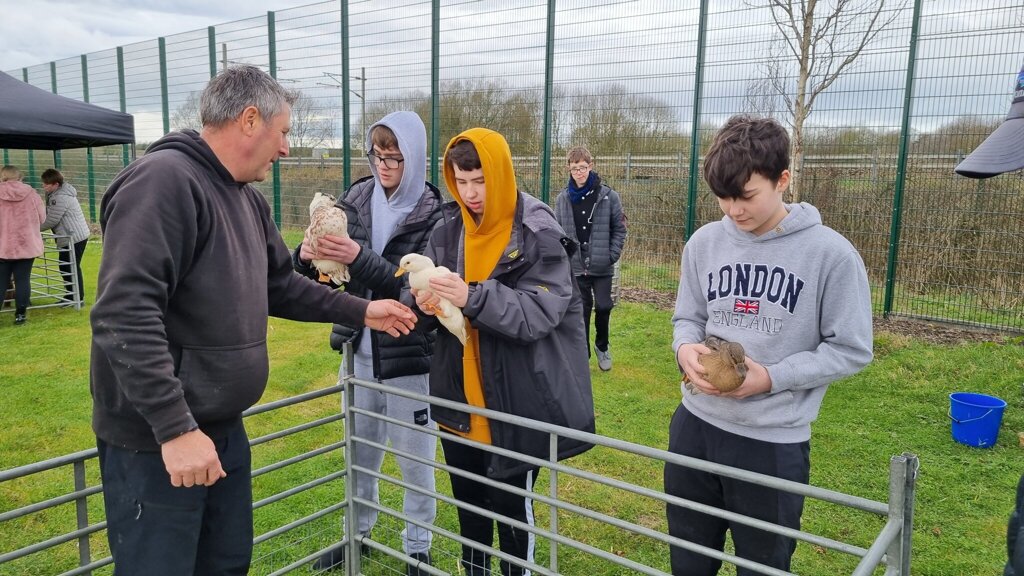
pixel 901 167
pixel 435 90
pixel 31 153
pixel 346 122
pixel 90 169
pixel 124 99
pixel 164 104
pixel 7 157
pixel 272 54
pixel 549 86
pixel 53 88
pixel 698 95
pixel 211 32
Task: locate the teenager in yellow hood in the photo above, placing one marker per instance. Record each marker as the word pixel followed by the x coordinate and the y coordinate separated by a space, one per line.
pixel 526 352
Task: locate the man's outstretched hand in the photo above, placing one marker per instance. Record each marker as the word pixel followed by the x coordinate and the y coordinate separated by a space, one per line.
pixel 390 316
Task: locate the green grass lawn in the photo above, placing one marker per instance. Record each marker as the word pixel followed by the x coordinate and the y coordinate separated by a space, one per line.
pixel 899 403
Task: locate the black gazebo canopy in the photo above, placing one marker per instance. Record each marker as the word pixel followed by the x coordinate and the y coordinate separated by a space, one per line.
pixel 34 119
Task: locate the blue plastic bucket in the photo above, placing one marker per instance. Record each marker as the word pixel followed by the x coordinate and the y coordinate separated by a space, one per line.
pixel 976 418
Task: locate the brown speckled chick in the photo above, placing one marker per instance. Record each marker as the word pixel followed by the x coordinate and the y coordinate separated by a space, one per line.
pixel 724 365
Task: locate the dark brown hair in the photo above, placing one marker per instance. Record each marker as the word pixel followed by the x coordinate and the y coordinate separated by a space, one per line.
pixel 52 176
pixel 383 137
pixel 744 146
pixel 578 154
pixel 463 155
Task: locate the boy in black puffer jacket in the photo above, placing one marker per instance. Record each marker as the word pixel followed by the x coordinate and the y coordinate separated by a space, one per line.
pixel 389 215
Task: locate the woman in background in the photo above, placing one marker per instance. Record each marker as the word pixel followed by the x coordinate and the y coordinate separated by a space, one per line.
pixel 21 214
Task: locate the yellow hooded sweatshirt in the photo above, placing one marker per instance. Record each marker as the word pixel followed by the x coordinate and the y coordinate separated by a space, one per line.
pixel 484 244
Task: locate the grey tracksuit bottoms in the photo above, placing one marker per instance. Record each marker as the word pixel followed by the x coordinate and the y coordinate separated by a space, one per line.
pixel 418 506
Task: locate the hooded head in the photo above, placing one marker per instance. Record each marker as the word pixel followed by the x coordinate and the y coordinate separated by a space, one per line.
pixel 404 138
pixel 479 174
pixel 488 152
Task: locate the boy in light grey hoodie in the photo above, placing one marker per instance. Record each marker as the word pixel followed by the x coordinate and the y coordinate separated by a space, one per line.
pixel 390 214
pixel 795 294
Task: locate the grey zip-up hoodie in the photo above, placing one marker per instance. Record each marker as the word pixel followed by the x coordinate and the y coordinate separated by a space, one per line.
pixel 796 298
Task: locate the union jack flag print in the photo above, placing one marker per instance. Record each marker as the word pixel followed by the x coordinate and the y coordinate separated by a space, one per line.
pixel 746 306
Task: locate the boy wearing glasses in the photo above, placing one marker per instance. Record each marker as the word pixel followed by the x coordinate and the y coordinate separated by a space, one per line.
pixel 524 351
pixel 390 214
pixel 591 214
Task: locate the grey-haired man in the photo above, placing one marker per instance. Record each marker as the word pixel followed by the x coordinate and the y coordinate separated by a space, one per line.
pixel 192 267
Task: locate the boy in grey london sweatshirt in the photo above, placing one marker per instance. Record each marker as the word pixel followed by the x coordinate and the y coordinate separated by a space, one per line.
pixel 795 294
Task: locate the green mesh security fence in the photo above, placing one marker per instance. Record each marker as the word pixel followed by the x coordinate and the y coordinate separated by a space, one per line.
pixel 894 95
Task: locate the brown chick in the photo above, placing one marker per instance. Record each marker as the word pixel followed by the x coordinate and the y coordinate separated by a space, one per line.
pixel 724 365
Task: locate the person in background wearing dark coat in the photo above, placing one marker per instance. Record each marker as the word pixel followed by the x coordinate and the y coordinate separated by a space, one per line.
pixel 390 214
pixel 591 214
pixel 525 349
pixel 192 267
pixel 64 216
pixel 1003 151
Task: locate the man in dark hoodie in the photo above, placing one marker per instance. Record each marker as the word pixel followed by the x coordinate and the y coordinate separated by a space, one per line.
pixel 390 214
pixel 1001 152
pixel 192 267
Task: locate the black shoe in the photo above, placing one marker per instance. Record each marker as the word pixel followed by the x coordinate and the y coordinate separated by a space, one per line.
pixel 335 559
pixel 19 318
pixel 421 558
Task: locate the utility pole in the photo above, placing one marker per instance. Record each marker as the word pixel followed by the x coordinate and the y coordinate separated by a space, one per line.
pixel 362 101
pixel 361 95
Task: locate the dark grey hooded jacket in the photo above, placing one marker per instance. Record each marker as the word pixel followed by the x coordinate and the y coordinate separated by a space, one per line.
pixel 607 234
pixel 533 353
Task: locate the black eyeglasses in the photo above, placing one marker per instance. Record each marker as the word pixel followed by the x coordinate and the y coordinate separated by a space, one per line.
pixel 391 163
pixel 580 170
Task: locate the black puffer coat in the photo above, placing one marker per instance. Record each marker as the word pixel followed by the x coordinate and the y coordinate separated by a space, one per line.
pixel 372 272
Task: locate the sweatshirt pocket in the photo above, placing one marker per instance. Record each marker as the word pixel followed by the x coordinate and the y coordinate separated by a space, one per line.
pixel 222 382
pixel 765 410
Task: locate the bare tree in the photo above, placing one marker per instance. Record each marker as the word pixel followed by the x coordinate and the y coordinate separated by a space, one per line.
pixel 613 120
pixel 312 124
pixel 762 93
pixel 824 38
pixel 187 114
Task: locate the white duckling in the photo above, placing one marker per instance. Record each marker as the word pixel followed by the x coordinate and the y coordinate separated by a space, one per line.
pixel 421 269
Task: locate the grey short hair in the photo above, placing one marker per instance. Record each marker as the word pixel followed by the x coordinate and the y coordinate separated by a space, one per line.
pixel 238 87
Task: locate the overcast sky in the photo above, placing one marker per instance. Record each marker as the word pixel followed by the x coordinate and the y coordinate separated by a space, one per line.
pixel 39 31
pixel 965 66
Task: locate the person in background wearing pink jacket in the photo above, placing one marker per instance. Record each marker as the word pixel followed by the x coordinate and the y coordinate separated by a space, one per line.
pixel 21 213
